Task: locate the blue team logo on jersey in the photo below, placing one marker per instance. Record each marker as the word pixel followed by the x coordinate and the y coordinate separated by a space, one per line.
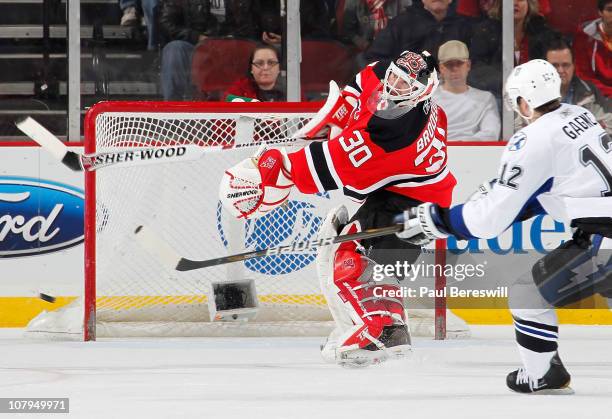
pixel 517 141
pixel 293 222
pixel 38 216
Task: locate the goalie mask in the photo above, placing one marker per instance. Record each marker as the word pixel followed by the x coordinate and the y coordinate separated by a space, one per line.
pixel 411 78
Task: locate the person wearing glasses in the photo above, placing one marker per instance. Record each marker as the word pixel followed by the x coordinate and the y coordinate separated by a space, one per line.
pixel 260 83
pixel 575 90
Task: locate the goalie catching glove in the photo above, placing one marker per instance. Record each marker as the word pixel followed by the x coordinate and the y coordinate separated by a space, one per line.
pixel 422 224
pixel 257 185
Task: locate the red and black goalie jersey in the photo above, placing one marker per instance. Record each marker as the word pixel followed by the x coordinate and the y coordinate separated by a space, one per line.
pixel 406 155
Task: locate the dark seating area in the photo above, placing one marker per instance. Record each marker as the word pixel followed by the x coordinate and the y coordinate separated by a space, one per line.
pixel 115 63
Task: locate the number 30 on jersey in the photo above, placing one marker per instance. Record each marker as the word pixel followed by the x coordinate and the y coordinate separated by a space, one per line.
pixel 357 149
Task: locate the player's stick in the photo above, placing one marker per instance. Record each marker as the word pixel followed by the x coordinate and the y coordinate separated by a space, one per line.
pixel 158 247
pixel 134 156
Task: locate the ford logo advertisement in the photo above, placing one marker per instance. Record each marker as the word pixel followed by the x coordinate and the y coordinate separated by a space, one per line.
pixel 39 216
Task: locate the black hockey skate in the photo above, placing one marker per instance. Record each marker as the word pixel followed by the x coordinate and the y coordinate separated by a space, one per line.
pixel 555 381
pixel 396 345
pixel 392 336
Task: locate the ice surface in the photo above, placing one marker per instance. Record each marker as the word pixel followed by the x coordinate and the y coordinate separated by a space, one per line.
pixel 285 378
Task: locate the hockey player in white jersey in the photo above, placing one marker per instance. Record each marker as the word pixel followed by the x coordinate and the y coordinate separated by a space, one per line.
pixel 560 164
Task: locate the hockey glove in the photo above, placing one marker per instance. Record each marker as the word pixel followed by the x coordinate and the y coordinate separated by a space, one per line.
pixel 421 224
pixel 257 185
pixel 331 118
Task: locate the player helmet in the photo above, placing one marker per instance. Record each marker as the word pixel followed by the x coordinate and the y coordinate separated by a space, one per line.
pixel 410 78
pixel 536 81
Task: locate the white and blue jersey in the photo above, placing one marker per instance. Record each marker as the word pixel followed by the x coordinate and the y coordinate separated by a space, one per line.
pixel 561 165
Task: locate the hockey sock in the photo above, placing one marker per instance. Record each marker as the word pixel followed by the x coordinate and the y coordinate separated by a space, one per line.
pixel 537 344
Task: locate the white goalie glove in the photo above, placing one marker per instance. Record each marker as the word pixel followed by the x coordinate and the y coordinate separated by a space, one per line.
pixel 421 225
pixel 257 185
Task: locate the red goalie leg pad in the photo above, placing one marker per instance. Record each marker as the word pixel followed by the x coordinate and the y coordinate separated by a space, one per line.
pixel 368 301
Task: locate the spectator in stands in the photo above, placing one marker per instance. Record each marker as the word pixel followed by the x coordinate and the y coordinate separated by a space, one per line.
pixel 472 113
pixel 359 21
pixel 530 35
pixel 486 52
pixel 531 32
pixel 420 27
pixel 260 19
pixel 261 80
pixel 131 17
pixel 243 19
pixel 481 8
pixel 574 90
pixel 593 49
pixel 184 23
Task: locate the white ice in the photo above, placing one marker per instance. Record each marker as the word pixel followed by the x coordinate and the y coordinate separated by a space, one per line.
pixel 285 378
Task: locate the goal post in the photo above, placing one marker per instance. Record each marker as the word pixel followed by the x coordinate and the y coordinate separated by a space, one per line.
pixel 128 292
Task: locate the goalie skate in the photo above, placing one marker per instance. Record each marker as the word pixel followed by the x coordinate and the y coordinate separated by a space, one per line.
pixel 394 343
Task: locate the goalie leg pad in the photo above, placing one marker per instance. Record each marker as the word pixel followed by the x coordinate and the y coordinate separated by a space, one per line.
pixel 360 306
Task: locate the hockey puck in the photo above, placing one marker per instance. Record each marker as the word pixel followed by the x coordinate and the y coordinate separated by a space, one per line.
pixel 46 297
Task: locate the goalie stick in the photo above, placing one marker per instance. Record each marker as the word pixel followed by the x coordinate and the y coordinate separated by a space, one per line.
pixel 130 157
pixel 156 246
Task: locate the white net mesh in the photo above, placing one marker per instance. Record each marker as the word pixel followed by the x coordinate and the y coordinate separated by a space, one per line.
pixel 179 202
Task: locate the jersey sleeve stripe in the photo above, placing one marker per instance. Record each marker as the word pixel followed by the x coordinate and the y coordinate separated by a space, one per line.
pixel 330 165
pixel 351 90
pixel 457 223
pixel 354 86
pixel 320 164
pixel 401 180
pixel 312 169
pixel 423 180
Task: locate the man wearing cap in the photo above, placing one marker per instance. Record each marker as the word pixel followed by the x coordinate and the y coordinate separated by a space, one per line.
pixel 472 113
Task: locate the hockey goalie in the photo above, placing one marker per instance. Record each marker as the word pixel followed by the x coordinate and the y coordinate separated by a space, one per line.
pixel 386 148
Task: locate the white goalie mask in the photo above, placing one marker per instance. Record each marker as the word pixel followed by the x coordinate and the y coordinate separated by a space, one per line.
pixel 536 81
pixel 411 78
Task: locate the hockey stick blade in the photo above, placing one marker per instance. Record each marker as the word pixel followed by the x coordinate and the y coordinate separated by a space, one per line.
pixel 30 127
pixel 157 247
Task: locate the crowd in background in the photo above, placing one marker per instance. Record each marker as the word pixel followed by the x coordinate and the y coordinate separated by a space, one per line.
pixel 464 35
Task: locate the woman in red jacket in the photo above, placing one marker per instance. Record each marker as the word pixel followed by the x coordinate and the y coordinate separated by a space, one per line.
pixel 262 76
pixel 593 49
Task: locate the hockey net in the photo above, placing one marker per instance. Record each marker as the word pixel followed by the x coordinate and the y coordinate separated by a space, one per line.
pixel 130 293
